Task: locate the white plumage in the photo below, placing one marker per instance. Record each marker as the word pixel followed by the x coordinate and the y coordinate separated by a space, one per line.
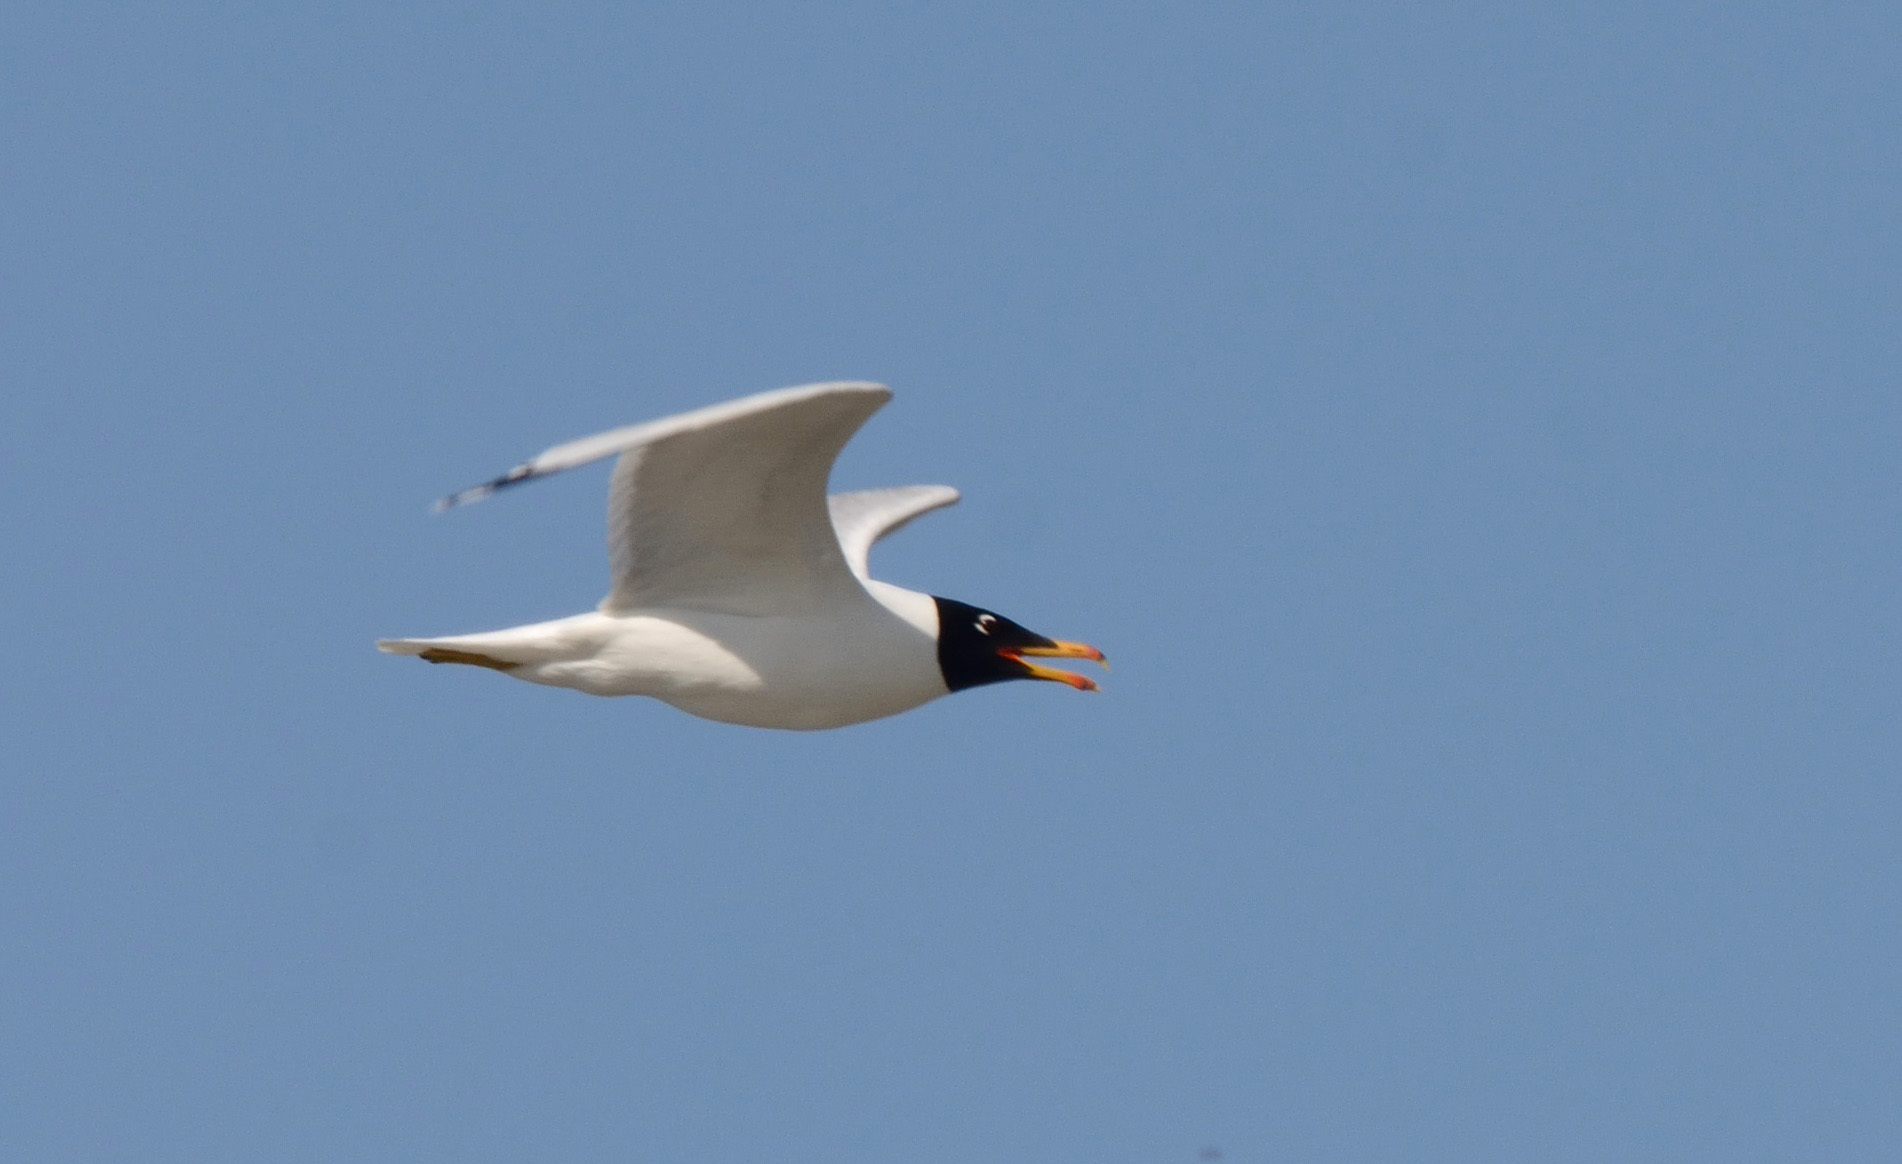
pixel 740 591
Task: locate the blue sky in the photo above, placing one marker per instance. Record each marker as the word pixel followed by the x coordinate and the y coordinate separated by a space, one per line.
pixel 1471 431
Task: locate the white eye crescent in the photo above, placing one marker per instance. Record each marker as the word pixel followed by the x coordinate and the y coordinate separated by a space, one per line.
pixel 985 622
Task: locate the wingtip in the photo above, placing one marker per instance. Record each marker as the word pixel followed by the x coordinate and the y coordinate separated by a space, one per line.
pixel 474 493
pixel 445 504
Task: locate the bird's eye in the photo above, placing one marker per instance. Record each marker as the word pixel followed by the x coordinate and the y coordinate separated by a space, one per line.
pixel 984 623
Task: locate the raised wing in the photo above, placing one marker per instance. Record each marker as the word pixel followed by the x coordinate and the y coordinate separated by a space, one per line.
pixel 723 508
pixel 863 517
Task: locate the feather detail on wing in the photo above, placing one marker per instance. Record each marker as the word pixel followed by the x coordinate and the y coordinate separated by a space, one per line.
pixel 730 514
pixel 722 508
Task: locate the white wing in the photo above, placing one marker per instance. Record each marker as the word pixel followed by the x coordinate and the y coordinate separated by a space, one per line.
pixel 867 515
pixel 723 508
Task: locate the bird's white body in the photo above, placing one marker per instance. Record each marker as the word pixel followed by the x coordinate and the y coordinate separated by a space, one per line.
pixel 864 660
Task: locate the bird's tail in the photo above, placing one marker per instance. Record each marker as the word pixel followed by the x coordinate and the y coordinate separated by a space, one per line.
pixel 563 640
pixel 462 649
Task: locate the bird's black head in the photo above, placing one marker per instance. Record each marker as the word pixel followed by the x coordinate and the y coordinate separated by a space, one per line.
pixel 976 647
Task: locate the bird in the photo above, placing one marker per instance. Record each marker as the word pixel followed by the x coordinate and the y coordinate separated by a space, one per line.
pixel 740 590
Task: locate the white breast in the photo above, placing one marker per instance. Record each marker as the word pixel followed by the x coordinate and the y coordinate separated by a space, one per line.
pixel 870 660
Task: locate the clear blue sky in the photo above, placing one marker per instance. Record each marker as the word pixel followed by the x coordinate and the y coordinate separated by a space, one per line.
pixel 1472 432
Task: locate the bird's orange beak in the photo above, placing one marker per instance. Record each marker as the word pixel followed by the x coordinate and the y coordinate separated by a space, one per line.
pixel 1060 650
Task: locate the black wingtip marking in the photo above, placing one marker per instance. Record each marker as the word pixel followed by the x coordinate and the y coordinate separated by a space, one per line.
pixel 515 476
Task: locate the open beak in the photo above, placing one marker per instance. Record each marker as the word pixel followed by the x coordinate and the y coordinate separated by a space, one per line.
pixel 1057 649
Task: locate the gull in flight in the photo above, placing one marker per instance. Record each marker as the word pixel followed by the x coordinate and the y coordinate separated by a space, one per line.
pixel 740 591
